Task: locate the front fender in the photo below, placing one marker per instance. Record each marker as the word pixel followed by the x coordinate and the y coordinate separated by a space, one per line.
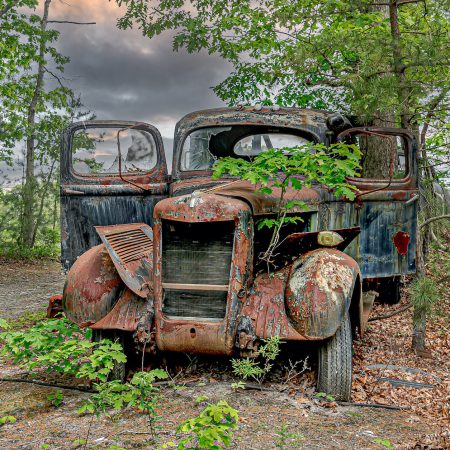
pixel 92 288
pixel 321 287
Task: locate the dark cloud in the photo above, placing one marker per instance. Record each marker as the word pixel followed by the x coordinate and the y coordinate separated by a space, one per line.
pixel 124 75
pixel 121 74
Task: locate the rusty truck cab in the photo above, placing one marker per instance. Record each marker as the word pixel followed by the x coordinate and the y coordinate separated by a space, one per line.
pixel 172 262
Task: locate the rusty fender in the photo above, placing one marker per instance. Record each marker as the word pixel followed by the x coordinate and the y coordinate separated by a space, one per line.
pixel 322 286
pixel 92 288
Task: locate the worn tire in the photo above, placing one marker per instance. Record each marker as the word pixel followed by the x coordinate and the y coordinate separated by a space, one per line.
pixel 335 363
pixel 120 370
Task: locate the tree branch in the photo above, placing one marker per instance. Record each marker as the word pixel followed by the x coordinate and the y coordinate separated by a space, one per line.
pixel 6 8
pixel 393 313
pixel 432 105
pixel 432 219
pixel 58 79
pixel 404 2
pixel 72 22
pixel 43 383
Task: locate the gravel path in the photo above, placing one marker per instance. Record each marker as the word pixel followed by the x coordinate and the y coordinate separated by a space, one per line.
pixel 26 286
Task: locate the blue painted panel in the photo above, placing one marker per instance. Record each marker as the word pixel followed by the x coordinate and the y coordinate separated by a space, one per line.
pixel 379 222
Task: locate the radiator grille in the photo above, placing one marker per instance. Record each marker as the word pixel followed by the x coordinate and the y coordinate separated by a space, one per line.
pixel 196 253
pixel 195 304
pixel 130 244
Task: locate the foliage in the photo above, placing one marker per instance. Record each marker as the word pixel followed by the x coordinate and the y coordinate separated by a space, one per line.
pixel 61 346
pixel 325 396
pixel 47 241
pixel 250 368
pixel 437 145
pixel 384 63
pixel 4 324
pixel 24 43
pixel 26 320
pixel 424 295
pixel 356 57
pixel 7 419
pixel 139 393
pixel 36 107
pixel 210 430
pixel 385 443
pixel 238 385
pixel 56 398
pixel 299 167
pixel 287 439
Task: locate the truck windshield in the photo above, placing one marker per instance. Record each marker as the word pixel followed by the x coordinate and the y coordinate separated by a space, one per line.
pixel 204 146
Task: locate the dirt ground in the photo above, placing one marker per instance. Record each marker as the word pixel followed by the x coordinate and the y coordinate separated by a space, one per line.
pixel 26 286
pixel 309 422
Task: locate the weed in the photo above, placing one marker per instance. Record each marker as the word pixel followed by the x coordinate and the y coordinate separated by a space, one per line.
pixel 251 368
pixel 353 414
pixel 139 393
pixel 424 295
pixel 286 439
pixel 325 396
pixel 27 319
pixel 201 399
pixel 301 166
pixel 56 398
pixel 293 372
pixel 210 430
pixel 59 345
pixel 238 385
pixel 4 324
pixel 7 419
pixel 386 443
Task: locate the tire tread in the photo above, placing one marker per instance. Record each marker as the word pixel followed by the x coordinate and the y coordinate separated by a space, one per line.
pixel 335 363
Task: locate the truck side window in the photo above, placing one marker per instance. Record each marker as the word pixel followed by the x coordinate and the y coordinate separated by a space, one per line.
pixel 94 151
pixel 383 157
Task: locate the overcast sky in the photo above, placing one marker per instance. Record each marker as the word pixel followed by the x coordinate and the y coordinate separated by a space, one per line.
pixel 123 75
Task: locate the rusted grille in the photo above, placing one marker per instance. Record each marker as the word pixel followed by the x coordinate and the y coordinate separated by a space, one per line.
pixel 195 304
pixel 196 254
pixel 130 245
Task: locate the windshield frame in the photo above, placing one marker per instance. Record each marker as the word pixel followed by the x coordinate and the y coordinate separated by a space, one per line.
pixel 304 132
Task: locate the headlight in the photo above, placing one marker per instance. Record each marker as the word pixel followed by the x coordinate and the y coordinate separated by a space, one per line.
pixel 329 238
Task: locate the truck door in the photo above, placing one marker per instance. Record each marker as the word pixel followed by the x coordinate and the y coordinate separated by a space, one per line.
pixel 112 172
pixel 386 204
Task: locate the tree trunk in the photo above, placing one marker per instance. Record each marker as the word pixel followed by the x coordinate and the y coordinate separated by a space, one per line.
pixel 30 179
pixel 399 67
pixel 419 330
pixel 379 153
pixel 42 202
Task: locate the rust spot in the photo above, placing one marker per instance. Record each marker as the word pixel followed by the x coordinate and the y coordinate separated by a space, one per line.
pixel 401 241
pixel 54 306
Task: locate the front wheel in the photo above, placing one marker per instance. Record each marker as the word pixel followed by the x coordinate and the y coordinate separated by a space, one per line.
pixel 335 363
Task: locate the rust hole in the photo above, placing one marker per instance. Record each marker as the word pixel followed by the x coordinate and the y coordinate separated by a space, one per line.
pixel 193 333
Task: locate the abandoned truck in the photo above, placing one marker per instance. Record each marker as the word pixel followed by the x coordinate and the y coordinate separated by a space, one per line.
pixel 170 263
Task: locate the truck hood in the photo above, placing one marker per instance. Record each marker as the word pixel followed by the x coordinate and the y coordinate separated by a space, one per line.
pixel 261 204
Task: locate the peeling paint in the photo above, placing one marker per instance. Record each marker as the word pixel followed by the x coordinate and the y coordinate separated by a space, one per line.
pixel 120 284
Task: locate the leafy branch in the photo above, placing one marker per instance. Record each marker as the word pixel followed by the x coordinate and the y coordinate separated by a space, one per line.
pixel 276 170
